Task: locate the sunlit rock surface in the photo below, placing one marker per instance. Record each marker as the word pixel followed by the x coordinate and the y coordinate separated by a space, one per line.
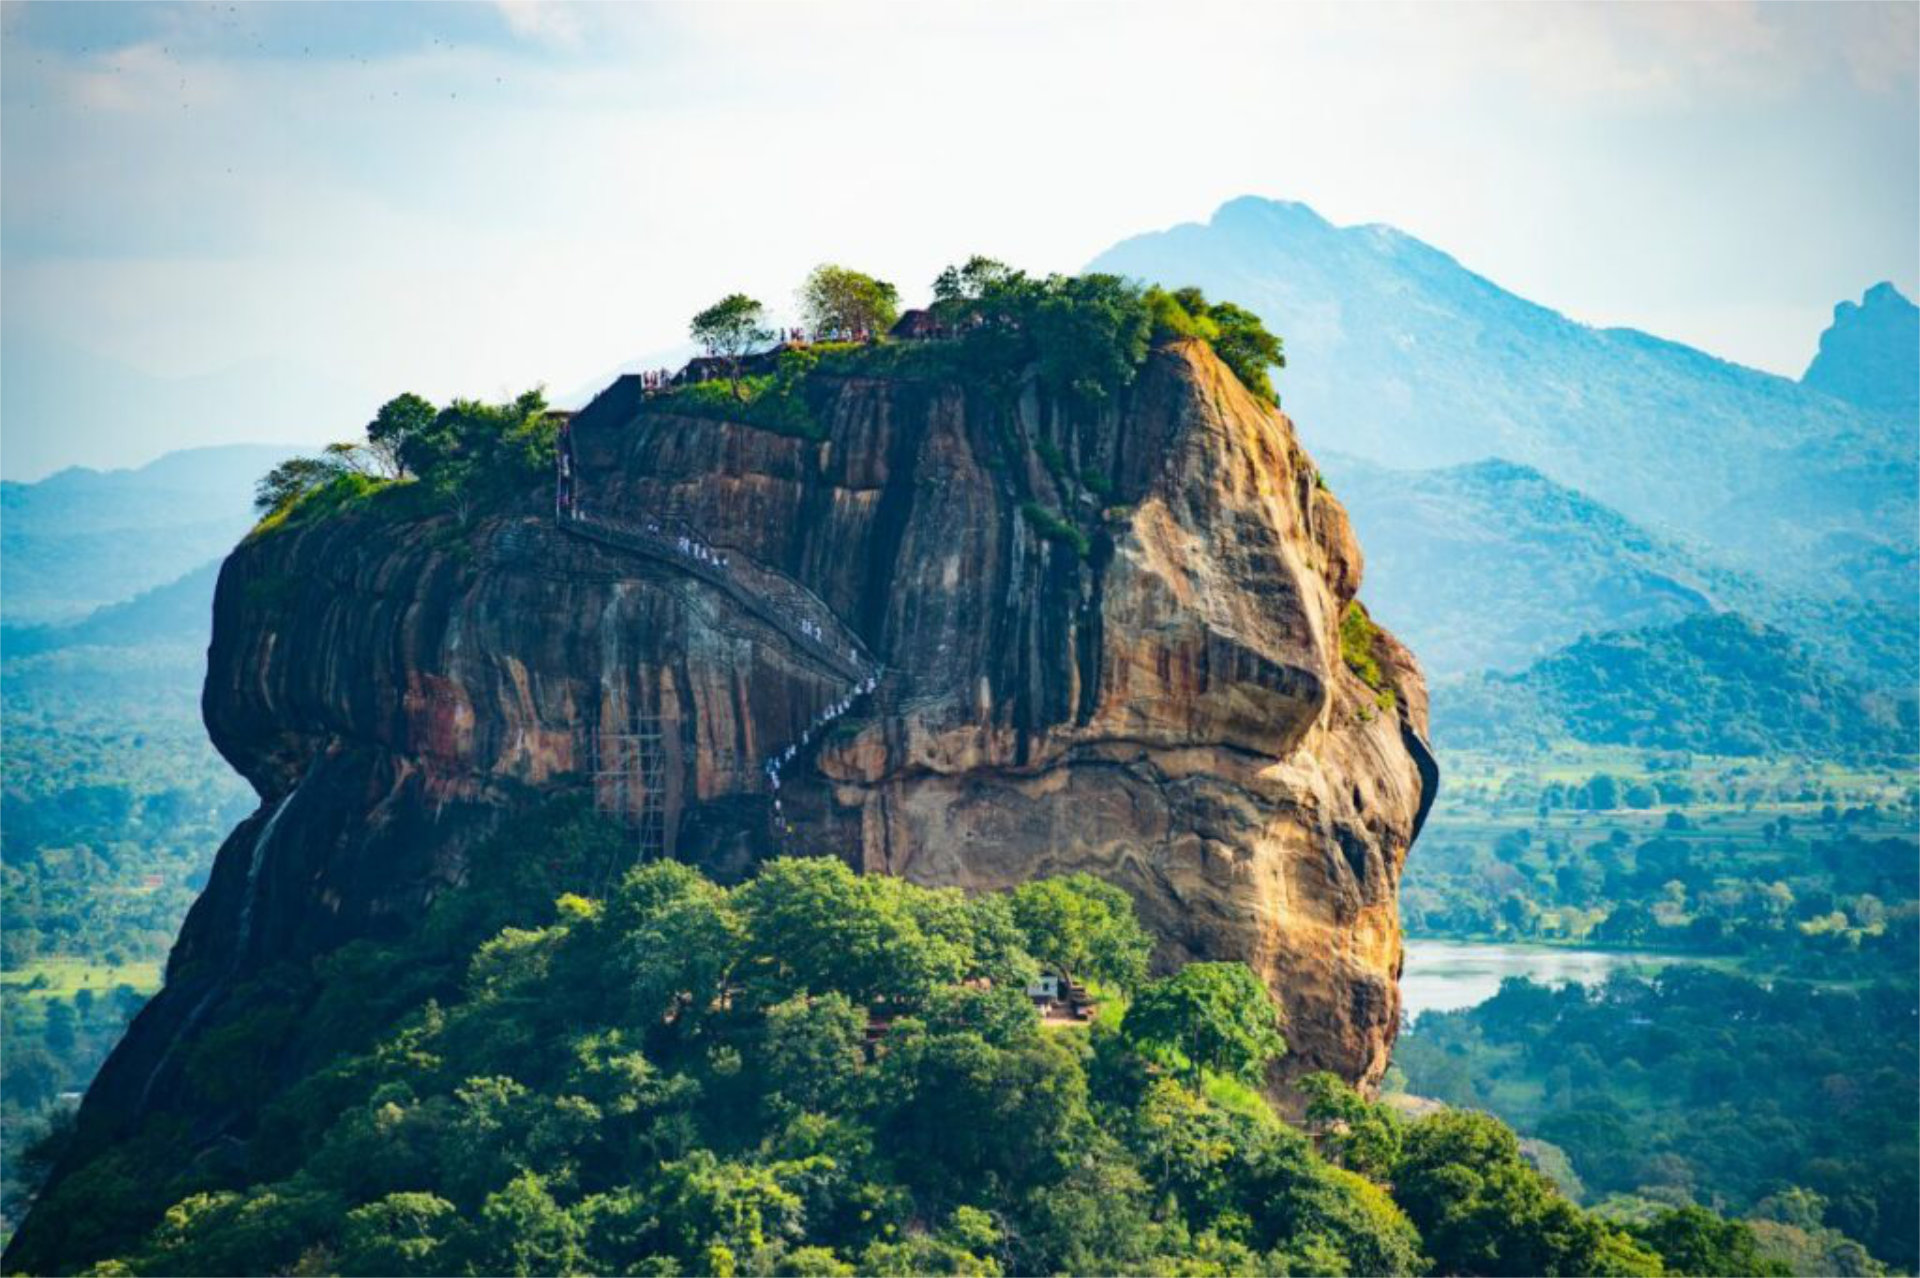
pixel 1169 712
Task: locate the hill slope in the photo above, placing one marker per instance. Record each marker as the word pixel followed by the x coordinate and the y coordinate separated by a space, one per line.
pixel 1492 564
pixel 1400 355
pixel 180 611
pixel 81 539
pixel 1717 683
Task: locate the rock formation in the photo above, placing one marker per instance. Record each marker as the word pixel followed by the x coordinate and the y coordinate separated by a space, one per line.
pixel 1868 354
pixel 1163 704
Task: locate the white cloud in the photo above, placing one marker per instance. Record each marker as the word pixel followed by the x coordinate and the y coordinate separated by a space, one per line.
pixel 472 215
pixel 548 20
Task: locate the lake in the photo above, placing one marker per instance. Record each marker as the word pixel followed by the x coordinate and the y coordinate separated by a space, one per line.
pixel 1444 976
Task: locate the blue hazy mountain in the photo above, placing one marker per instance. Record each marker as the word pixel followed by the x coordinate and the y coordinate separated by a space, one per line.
pixel 1870 356
pixel 1492 564
pixel 81 539
pixel 1718 683
pixel 179 612
pixel 1399 355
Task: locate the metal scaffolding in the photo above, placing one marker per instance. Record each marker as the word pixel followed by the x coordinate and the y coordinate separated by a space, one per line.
pixel 630 784
pixel 631 764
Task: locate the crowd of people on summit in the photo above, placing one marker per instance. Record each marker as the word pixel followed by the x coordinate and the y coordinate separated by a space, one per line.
pixel 913 326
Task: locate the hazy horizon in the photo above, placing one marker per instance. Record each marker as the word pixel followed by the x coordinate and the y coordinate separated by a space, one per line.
pixel 251 224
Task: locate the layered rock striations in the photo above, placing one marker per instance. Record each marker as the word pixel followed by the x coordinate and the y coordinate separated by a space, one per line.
pixel 1164 704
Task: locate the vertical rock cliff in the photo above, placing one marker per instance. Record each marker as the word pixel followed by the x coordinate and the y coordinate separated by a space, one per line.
pixel 980 637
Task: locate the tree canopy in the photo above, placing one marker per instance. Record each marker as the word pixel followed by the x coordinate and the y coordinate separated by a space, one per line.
pixel 813 1072
pixel 1208 1016
pixel 1080 926
pixel 839 300
pixel 1482 1210
pixel 464 455
pixel 1089 333
pixel 1237 335
pixel 730 329
pixel 400 421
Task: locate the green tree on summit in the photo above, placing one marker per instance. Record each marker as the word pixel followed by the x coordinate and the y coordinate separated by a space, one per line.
pixel 1091 332
pixel 729 330
pixel 291 480
pixel 400 420
pixel 466 453
pixel 1245 346
pixel 980 279
pixel 474 451
pixel 1237 336
pixel 838 299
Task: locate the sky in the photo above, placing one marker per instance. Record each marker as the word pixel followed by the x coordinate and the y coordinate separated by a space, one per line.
pixel 255 222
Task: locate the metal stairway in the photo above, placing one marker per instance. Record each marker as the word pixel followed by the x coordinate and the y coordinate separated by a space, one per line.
pixel 790 608
pixel 632 764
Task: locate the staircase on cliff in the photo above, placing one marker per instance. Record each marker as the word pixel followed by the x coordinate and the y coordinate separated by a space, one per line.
pixel 630 768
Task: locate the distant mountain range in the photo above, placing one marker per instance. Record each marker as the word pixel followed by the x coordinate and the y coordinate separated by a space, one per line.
pixel 1581 508
pixel 1492 565
pixel 1399 355
pixel 82 539
pixel 178 612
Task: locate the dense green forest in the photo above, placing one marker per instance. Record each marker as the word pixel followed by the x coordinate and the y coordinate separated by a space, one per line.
pixel 814 1072
pixel 1790 1101
pixel 113 805
pixel 1716 683
pixel 1771 861
pixel 1779 1082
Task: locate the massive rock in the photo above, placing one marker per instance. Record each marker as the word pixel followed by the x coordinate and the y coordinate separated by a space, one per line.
pixel 1168 710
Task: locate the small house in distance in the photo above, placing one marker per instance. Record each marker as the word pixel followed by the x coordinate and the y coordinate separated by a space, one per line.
pixel 1061 998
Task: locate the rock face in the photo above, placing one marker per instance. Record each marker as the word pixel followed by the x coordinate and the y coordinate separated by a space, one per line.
pixel 1169 711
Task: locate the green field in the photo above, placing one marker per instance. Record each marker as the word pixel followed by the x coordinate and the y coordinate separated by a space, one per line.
pixel 28 990
pixel 1659 850
pixel 65 977
pixel 1477 779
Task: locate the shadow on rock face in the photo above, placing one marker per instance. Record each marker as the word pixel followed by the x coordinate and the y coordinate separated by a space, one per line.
pixel 1076 640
